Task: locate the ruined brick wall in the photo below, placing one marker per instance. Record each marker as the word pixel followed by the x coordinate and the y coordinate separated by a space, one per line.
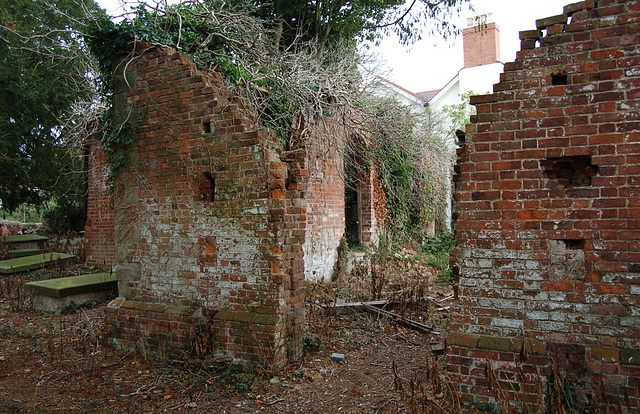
pixel 210 219
pixel 100 246
pixel 548 217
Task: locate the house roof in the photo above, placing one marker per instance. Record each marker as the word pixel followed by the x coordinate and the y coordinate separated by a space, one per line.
pixel 428 95
pixel 403 90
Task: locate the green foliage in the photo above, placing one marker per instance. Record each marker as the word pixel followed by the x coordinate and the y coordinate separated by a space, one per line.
pixel 413 165
pixel 24 213
pixel 239 376
pixel 331 21
pixel 485 407
pixel 437 249
pixel 63 218
pixel 43 71
pixel 458 114
pixel 441 242
pixel 311 344
pixel 180 26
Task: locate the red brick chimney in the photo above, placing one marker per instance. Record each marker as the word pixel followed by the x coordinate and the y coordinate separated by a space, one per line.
pixel 481 40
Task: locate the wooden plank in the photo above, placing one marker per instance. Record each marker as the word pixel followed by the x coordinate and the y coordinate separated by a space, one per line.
pixel 401 320
pixel 358 304
pixel 22 264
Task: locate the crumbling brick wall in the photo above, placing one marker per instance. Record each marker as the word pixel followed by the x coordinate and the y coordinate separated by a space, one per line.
pixel 548 218
pixel 210 219
pixel 98 232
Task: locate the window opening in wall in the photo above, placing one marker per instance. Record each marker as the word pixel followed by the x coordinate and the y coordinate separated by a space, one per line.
pixel 559 77
pixel 207 186
pixel 206 127
pixel 351 211
pixel 569 172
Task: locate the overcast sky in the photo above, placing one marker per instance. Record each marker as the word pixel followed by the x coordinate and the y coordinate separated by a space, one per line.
pixel 432 62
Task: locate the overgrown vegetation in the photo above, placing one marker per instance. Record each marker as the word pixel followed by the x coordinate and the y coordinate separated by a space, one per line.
pixel 301 77
pixel 296 63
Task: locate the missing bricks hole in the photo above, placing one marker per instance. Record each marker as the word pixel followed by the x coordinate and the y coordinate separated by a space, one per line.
pixel 573 244
pixel 206 127
pixel 569 172
pixel 559 77
pixel 207 186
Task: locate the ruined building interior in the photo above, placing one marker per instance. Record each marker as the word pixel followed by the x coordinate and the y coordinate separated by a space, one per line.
pixel 212 222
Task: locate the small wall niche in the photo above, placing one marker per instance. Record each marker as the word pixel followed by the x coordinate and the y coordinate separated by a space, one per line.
pixel 569 172
pixel 206 127
pixel 207 186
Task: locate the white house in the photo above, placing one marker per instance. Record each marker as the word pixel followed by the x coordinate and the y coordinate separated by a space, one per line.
pixel 482 69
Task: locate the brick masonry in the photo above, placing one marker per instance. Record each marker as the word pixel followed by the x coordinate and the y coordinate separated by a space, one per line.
pixel 548 216
pixel 98 233
pixel 481 44
pixel 209 219
pixel 325 206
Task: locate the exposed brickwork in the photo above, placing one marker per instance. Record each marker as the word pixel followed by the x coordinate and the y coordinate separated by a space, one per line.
pixel 325 208
pixel 210 219
pixel 481 45
pixel 100 246
pixel 548 215
pixel 369 190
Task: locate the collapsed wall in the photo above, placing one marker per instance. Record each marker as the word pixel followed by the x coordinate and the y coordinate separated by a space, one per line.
pixel 548 219
pixel 210 219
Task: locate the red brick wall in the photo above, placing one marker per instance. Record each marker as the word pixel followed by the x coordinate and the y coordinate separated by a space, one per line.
pixel 481 45
pixel 98 233
pixel 548 216
pixel 325 206
pixel 210 219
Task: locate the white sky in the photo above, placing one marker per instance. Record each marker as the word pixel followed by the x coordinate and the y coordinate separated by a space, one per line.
pixel 432 62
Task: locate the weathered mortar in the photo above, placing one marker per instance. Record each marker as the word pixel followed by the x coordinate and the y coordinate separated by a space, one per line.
pixel 548 215
pixel 210 219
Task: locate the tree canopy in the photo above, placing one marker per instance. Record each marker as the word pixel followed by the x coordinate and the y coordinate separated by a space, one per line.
pixel 332 20
pixel 44 69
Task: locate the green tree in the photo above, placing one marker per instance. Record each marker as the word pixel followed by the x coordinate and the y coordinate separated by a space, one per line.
pixel 44 69
pixel 328 21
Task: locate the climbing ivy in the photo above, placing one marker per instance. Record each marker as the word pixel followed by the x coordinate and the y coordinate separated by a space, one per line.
pixel 413 168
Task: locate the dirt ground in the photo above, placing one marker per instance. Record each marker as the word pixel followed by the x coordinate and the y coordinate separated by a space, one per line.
pixel 63 363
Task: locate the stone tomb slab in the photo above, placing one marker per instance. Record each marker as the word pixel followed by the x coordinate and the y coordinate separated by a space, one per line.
pixel 55 295
pixel 12 254
pixel 24 241
pixel 22 264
